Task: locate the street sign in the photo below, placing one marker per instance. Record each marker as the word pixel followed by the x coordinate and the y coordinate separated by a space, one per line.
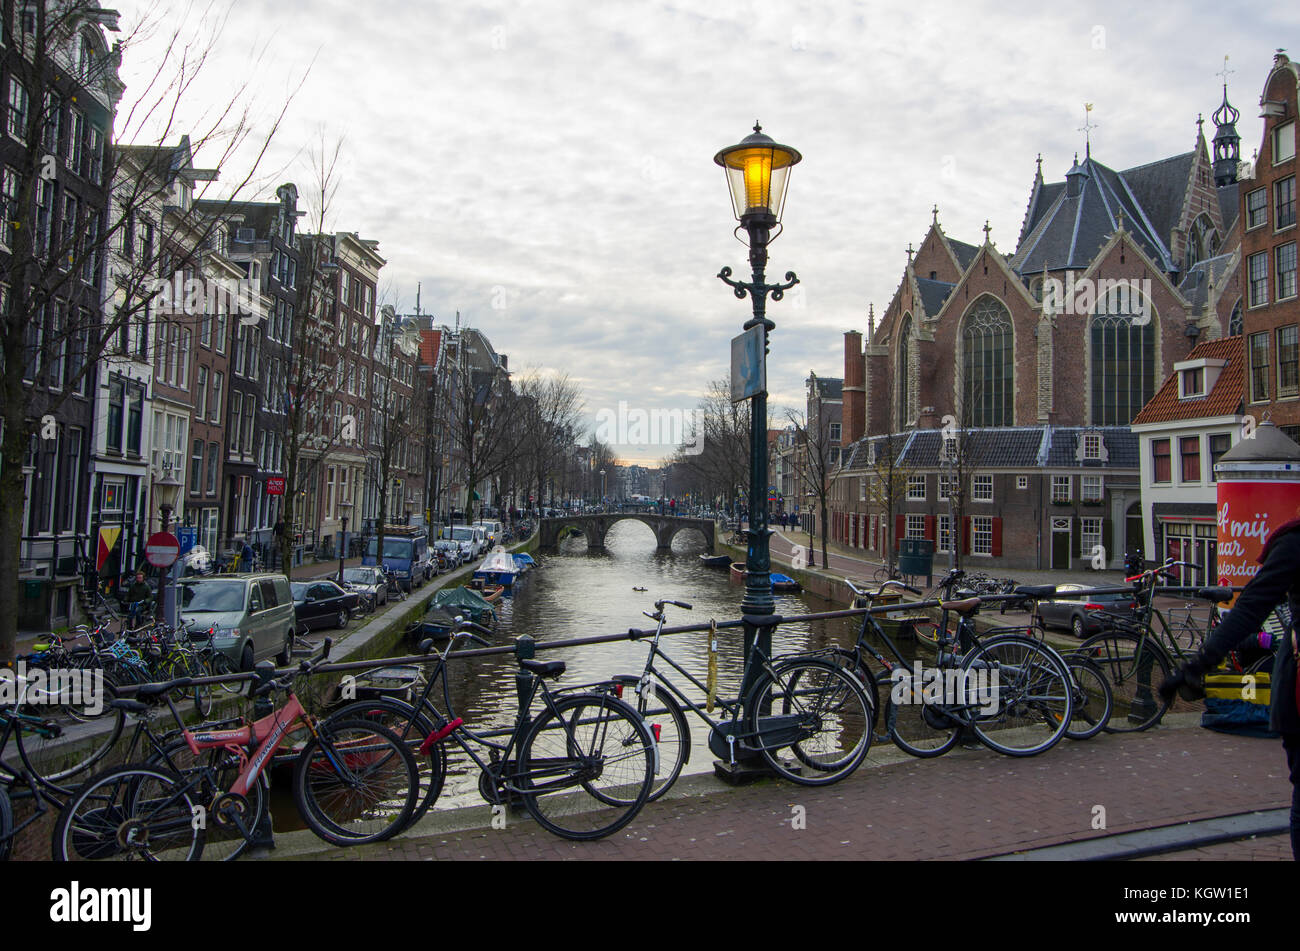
pixel 189 537
pixel 274 486
pixel 748 368
pixel 162 549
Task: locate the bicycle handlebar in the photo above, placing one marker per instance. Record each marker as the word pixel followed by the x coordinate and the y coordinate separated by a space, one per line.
pixel 659 605
pixel 887 584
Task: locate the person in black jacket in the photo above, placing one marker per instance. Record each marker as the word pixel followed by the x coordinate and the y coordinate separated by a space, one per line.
pixel 1278 579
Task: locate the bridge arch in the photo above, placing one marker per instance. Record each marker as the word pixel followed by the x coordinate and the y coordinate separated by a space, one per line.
pixel 596 527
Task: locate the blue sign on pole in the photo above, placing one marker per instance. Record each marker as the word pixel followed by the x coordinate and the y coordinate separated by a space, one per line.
pixel 188 536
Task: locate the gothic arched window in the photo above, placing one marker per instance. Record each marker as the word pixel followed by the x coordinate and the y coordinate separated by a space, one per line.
pixel 905 392
pixel 987 365
pixel 1122 351
pixel 1202 241
pixel 1234 321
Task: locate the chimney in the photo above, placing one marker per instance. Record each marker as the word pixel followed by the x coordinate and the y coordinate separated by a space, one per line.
pixel 855 391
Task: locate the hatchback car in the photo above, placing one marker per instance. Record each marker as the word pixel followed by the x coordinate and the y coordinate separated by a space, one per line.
pixel 1076 613
pixel 322 604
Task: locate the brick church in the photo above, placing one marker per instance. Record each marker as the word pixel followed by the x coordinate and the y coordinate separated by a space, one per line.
pixel 1002 385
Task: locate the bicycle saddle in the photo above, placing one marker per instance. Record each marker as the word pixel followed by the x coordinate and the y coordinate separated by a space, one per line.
pixel 544 668
pixel 130 706
pixel 967 606
pixel 1219 593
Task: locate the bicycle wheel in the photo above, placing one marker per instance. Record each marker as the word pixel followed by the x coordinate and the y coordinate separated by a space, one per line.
pixel 585 767
pixel 1092 701
pixel 852 662
pixel 55 749
pixel 131 812
pixel 211 774
pixel 663 716
pixel 824 720
pixel 355 782
pixel 218 664
pixel 1020 694
pixel 1135 671
pixel 6 825
pixel 917 726
pixel 411 727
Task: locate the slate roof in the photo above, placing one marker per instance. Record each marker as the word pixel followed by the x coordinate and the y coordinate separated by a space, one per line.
pixel 1011 447
pixel 1224 398
pixel 1229 205
pixel 965 252
pixel 1160 187
pixel 1195 286
pixel 830 388
pixel 933 294
pixel 1070 231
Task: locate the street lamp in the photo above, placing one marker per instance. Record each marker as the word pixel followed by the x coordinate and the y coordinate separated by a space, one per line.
pixel 602 489
pixel 758 173
pixel 346 509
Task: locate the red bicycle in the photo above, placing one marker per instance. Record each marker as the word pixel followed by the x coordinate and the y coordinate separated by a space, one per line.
pixel 354 782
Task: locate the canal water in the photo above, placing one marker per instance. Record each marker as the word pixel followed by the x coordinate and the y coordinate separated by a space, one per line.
pixel 577 593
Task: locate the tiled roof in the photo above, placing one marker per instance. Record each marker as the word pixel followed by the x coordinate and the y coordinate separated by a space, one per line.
pixel 933 294
pixel 1009 447
pixel 430 345
pixel 965 252
pixel 830 388
pixel 1224 398
pixel 1195 286
pixel 1120 442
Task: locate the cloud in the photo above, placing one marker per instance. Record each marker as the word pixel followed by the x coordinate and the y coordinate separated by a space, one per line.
pixel 558 155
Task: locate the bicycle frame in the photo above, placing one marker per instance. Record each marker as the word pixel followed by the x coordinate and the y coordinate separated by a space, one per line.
pixel 274 727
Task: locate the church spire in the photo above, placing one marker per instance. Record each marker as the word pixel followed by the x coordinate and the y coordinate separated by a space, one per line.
pixel 1227 143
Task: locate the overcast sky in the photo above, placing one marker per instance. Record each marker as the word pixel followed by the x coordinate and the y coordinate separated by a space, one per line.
pixel 545 168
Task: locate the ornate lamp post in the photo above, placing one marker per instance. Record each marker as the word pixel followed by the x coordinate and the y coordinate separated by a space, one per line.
pixel 758 173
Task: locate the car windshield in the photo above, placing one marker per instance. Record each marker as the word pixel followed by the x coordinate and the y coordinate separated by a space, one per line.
pixel 463 534
pixel 359 575
pixel 212 596
pixel 393 547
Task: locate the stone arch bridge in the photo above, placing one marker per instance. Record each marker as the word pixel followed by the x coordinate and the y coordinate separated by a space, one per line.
pixel 595 527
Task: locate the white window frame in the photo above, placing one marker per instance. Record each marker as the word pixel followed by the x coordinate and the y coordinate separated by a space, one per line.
pixel 981 526
pixel 1022 482
pixel 979 483
pixel 1062 482
pixel 1085 495
pixel 913 483
pixel 914 526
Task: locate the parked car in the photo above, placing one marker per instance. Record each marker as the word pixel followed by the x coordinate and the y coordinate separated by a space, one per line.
pixel 473 541
pixel 1075 614
pixel 493 530
pixel 403 552
pixel 370 583
pixel 322 604
pixel 253 615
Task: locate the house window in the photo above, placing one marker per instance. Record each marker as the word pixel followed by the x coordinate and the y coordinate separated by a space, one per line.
pixel 1219 444
pixel 1061 488
pixel 116 408
pixel 1288 361
pixel 9 197
pixel 862 488
pixel 915 526
pixel 945 534
pixel 916 488
pixel 236 408
pixel 1189 454
pixel 944 488
pixel 1161 462
pixel 134 419
pixel 1192 382
pixel 1259 367
pixel 1092 446
pixel 1284 143
pixel 835 432
pixel 215 406
pixel 1257 276
pixel 1090 536
pixel 196 467
pixel 982 488
pixel 981 542
pixel 1286 267
pixel 1256 208
pixel 213 449
pixel 1091 488
pixel 1284 203
pixel 1022 482
pixel 18 101
pixel 201 393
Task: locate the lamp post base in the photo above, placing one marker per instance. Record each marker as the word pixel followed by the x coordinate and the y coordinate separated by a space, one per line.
pixel 743 771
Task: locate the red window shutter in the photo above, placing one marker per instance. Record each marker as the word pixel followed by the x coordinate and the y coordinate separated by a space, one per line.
pixel 900 529
pixel 997 538
pixel 965 534
pixel 929 527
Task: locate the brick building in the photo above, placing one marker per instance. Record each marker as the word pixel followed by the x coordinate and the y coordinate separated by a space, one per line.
pixel 1114 278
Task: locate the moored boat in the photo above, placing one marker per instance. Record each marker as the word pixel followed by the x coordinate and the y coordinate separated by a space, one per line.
pixel 782 582
pixel 715 561
pixel 498 568
pixel 738 571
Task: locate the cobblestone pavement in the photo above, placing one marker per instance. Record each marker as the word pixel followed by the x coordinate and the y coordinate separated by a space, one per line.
pixel 968 804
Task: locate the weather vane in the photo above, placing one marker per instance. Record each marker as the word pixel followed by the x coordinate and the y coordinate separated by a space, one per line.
pixel 1087 127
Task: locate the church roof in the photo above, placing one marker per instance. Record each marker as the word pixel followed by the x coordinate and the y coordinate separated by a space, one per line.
pixel 934 293
pixel 1195 286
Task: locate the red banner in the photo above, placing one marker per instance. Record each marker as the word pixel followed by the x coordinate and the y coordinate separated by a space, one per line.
pixel 1248 513
pixel 275 487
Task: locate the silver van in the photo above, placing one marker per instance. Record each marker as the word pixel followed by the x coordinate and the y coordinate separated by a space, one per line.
pixel 253 615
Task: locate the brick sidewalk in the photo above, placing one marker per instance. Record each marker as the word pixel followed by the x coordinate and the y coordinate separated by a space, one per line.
pixel 968 804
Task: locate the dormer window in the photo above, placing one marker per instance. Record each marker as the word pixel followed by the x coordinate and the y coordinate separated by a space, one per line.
pixel 1091 448
pixel 1197 377
pixel 1284 143
pixel 1191 383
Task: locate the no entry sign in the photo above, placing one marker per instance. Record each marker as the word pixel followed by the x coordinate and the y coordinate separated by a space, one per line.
pixel 162 549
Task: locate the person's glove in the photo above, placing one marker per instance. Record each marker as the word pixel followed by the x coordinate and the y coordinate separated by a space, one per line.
pixel 1188 681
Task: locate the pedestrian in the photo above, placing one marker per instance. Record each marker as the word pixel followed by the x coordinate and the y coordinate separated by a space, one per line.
pixel 139 597
pixel 1277 580
pixel 246 555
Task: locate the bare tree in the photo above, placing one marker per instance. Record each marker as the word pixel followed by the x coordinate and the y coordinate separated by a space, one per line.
pixel 482 423
pixel 62 320
pixel 886 487
pixel 718 456
pixel 820 458
pixel 549 409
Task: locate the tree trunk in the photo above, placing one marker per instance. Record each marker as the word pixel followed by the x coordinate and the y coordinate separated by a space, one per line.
pixel 11 514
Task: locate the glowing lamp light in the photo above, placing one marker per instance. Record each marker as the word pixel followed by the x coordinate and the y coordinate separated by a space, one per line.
pixel 758 173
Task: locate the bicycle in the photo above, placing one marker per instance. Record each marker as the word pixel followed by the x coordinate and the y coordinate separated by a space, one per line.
pixel 582 766
pixel 353 782
pixel 1136 657
pixel 887 573
pixel 825 717
pixel 1031 687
